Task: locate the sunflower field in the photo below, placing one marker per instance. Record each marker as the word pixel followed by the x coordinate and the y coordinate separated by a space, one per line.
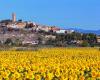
pixel 51 64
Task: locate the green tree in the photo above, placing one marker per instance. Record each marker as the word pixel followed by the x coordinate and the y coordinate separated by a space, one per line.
pixel 18 42
pixel 8 42
pixel 85 44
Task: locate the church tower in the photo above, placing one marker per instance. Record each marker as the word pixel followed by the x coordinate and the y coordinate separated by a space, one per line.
pixel 13 17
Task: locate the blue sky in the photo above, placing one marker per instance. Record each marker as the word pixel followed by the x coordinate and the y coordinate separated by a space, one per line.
pixel 84 14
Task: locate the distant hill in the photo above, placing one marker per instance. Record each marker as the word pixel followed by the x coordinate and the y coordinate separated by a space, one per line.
pixel 87 31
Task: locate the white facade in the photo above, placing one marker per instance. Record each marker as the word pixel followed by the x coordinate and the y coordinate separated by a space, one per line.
pixel 61 31
pixel 30 42
pixel 70 31
pixel 12 26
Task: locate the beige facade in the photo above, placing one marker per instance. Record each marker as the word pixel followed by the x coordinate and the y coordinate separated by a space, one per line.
pixel 21 25
pixel 17 25
pixel 98 39
pixel 45 28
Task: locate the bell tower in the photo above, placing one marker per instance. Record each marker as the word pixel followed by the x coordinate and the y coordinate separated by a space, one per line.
pixel 13 17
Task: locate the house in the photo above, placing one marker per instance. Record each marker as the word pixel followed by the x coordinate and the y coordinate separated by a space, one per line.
pixel 21 25
pixel 79 41
pixel 61 31
pixel 55 29
pixel 18 25
pixel 11 25
pixel 50 37
pixel 30 39
pixel 98 39
pixel 45 28
pixel 69 31
pixel 30 42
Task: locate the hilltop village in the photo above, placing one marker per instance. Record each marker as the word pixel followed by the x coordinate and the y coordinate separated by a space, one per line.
pixel 23 33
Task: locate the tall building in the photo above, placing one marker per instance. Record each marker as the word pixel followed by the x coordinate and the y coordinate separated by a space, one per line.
pixel 13 17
